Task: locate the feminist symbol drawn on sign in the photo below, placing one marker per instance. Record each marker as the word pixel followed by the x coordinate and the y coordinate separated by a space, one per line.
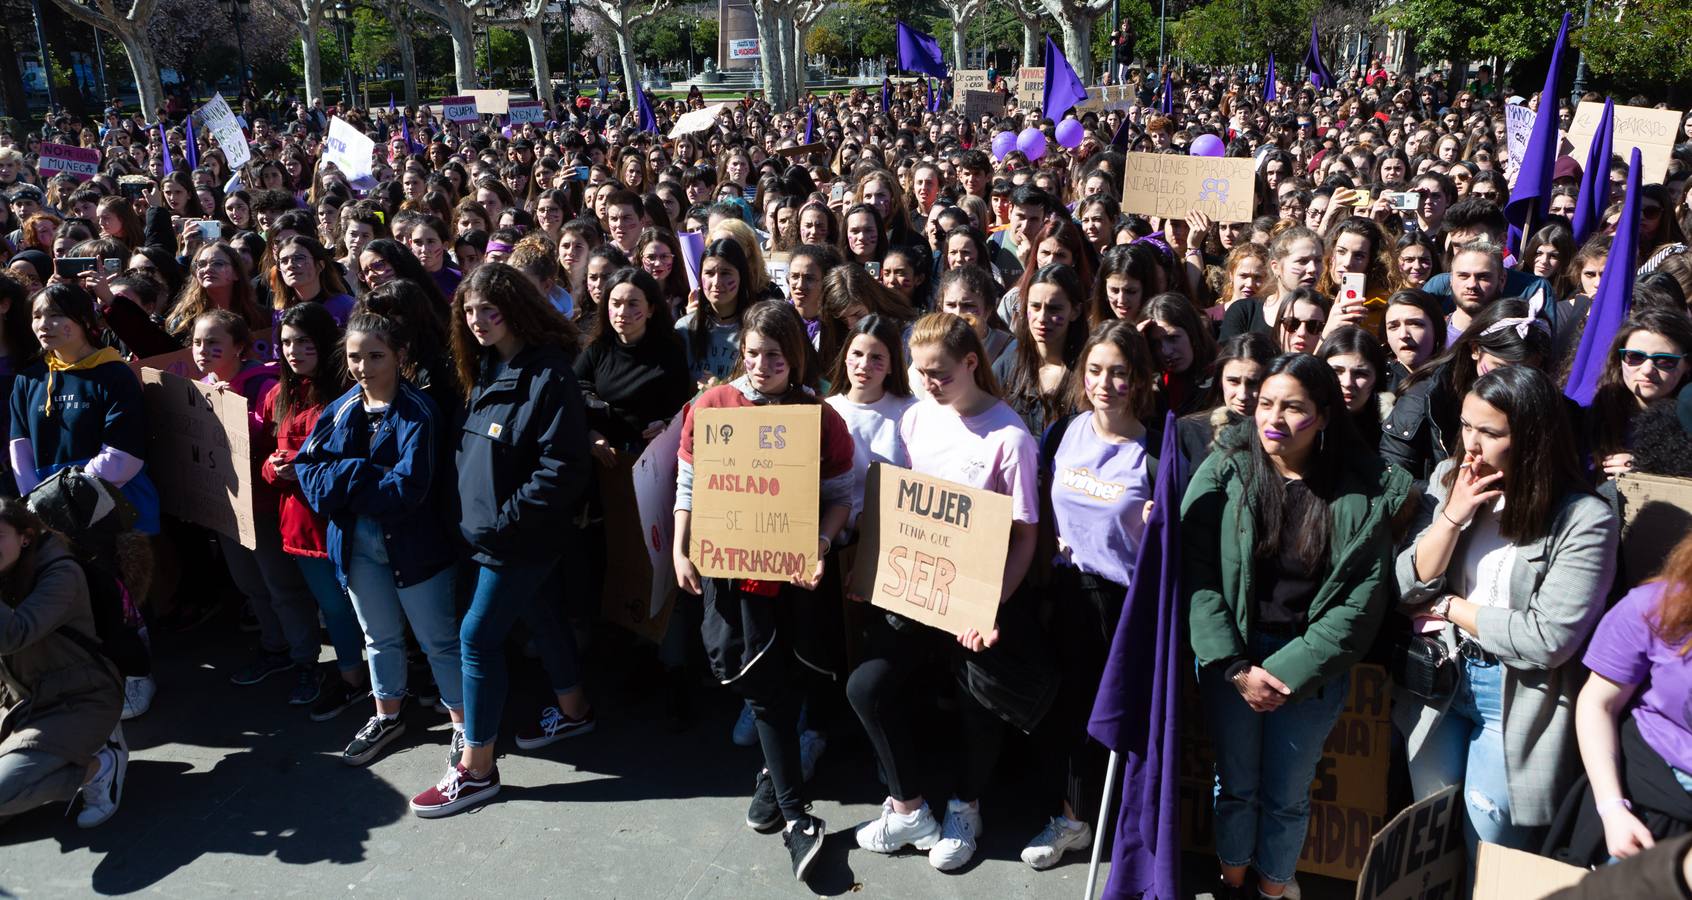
pixel 1214 189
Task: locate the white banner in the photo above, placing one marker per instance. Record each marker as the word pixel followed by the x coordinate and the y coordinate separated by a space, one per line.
pixel 1518 126
pixel 743 48
pixel 351 152
pixel 221 122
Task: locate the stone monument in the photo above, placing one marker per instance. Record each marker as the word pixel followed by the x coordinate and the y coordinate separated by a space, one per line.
pixel 736 24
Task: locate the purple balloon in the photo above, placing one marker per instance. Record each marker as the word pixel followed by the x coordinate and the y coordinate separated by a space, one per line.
pixel 1032 143
pixel 1003 143
pixel 1206 145
pixel 1070 132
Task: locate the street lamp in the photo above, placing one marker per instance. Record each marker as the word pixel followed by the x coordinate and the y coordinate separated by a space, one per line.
pixel 687 27
pixel 341 15
pixel 239 12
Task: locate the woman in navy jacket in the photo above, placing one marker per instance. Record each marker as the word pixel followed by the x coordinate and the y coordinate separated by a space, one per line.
pixel 373 467
pixel 523 472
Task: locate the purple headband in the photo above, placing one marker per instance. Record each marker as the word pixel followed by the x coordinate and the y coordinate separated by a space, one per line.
pixel 499 247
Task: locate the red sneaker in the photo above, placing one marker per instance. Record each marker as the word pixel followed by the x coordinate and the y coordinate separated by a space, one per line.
pixel 458 790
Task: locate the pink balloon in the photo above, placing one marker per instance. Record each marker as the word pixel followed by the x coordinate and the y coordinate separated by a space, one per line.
pixel 1207 145
pixel 1032 143
pixel 1070 132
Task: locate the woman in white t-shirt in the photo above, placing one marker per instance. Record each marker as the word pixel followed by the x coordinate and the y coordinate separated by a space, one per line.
pixel 965 433
pixel 871 392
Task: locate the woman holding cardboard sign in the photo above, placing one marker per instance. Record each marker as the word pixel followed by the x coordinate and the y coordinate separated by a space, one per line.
pixel 1286 541
pixel 757 633
pixel 967 434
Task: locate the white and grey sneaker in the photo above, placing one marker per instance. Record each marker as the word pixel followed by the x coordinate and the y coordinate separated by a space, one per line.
pixel 811 747
pixel 895 830
pixel 375 735
pixel 957 837
pixel 1061 835
pixel 102 793
pixel 138 696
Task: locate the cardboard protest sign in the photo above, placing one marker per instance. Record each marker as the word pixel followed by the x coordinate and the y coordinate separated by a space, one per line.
pixel 1506 874
pixel 1101 98
pixel 221 122
pixel 802 149
pixel 982 103
pixel 523 112
pixel 1419 854
pixel 932 550
pixel 1653 131
pixel 491 101
pixel 1348 796
pixel 1656 514
pixel 352 152
pixel 654 479
pixel 968 80
pixel 1518 127
pixel 1030 85
pixel 1169 185
pixel 756 491
pixel 458 109
pixel 639 592
pixel 776 266
pixel 81 163
pixel 696 120
pixel 199 455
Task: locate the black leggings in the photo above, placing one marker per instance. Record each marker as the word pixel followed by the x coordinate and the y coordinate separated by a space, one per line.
pixel 877 692
pixel 1072 765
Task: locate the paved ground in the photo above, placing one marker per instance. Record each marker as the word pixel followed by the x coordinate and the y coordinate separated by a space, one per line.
pixel 231 792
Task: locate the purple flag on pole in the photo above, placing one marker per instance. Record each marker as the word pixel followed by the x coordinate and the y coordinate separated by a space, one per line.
pixel 648 120
pixel 1119 140
pixel 1269 79
pixel 1595 178
pixel 1167 104
pixel 1615 296
pixel 190 153
pixel 1137 712
pixel 886 95
pixel 1064 88
pixel 919 52
pixel 810 123
pixel 164 144
pixel 1319 74
pixel 1531 196
pixel 411 146
pixel 391 101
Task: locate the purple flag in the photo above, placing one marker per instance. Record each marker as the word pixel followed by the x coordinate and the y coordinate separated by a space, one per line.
pixel 1137 712
pixel 1269 79
pixel 919 52
pixel 390 101
pixel 1119 140
pixel 411 146
pixel 164 144
pixel 1167 104
pixel 1319 74
pixel 1595 178
pixel 1531 196
pixel 810 123
pixel 886 95
pixel 1615 296
pixel 648 120
pixel 1064 88
pixel 190 153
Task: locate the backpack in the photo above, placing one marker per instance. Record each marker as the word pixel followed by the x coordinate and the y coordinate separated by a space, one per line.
pixel 90 512
pixel 117 633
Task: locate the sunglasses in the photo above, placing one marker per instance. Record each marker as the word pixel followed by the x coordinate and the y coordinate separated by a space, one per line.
pixel 1665 362
pixel 1292 325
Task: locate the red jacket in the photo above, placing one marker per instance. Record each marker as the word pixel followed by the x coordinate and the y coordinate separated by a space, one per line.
pixel 304 532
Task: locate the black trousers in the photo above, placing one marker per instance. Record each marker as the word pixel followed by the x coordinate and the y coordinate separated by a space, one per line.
pixel 1085 610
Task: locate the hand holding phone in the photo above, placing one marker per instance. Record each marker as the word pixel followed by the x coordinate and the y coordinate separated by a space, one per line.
pixel 74 266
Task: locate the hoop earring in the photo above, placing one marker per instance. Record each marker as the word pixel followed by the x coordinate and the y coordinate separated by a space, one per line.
pixel 1322 441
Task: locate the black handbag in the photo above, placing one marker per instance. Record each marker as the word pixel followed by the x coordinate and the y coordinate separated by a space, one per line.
pixel 1422 665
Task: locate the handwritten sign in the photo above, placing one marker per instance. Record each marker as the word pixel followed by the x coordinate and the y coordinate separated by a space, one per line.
pixel 1168 185
pixel 458 109
pixel 1653 131
pixel 776 266
pixel 968 80
pixel 938 549
pixel 199 454
pixel 1419 854
pixel 1030 84
pixel 491 101
pixel 639 498
pixel 351 151
pixel 1107 97
pixel 756 491
pixel 1518 127
pixel 81 163
pixel 221 122
pixel 982 103
pixel 523 112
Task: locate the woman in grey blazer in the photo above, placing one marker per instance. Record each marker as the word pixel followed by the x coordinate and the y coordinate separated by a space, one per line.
pixel 1512 560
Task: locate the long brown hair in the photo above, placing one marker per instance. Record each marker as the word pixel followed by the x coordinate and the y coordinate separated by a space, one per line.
pixel 1142 372
pixel 1613 405
pixel 1671 622
pixel 778 321
pixel 526 312
pixel 329 274
pixel 194 300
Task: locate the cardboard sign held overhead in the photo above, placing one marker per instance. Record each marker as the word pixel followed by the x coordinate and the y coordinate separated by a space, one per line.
pixel 458 109
pixel 982 103
pixel 491 101
pixel 1418 854
pixel 81 163
pixel 756 489
pixel 221 122
pixel 932 550
pixel 1653 131
pixel 969 80
pixel 1030 85
pixel 1168 185
pixel 523 112
pixel 199 454
pixel 802 149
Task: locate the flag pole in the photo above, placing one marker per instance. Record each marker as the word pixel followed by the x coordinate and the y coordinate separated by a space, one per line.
pixel 1111 770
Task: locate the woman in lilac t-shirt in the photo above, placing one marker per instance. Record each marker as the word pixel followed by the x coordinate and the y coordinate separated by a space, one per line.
pixel 966 434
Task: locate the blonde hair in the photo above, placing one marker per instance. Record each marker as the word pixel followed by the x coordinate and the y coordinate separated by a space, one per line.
pixel 956 337
pixel 741 233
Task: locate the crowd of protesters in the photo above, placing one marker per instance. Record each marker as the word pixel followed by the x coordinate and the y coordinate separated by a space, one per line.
pixel 442 363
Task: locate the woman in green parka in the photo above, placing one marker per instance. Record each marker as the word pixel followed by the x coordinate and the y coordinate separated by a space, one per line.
pixel 1286 549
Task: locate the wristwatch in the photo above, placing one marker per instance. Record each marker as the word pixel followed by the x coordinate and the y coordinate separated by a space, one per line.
pixel 1442 607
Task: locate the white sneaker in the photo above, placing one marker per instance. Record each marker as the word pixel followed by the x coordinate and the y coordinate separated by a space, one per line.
pixel 745 727
pixel 1061 835
pixel 101 795
pixel 811 747
pixel 895 830
pixel 1292 891
pixel 957 836
pixel 138 696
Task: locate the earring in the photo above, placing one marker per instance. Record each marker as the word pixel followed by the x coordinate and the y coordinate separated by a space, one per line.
pixel 1322 441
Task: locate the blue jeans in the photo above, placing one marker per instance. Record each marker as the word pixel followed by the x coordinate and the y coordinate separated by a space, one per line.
pixel 1466 748
pixel 1265 763
pixel 383 609
pixel 525 590
pixel 338 615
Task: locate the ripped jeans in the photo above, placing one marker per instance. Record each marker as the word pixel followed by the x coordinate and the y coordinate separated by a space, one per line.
pixel 1466 748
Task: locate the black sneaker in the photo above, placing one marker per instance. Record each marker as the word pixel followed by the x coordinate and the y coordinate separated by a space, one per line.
pixel 337 697
pixel 803 837
pixel 308 685
pixel 266 665
pixel 553 726
pixel 763 815
pixel 376 734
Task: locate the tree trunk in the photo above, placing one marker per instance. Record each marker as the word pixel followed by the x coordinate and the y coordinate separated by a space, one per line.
pixel 133 36
pixel 960 39
pixel 312 63
pixel 626 58
pixel 407 51
pixel 460 26
pixel 800 33
pixel 785 58
pixel 536 34
pixel 1078 43
pixel 1030 44
pixel 768 45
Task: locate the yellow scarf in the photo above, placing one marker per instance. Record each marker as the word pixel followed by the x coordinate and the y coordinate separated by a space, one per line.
pixel 98 358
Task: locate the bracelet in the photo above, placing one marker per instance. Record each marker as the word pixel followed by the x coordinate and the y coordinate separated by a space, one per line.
pixel 1613 801
pixel 1447 517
